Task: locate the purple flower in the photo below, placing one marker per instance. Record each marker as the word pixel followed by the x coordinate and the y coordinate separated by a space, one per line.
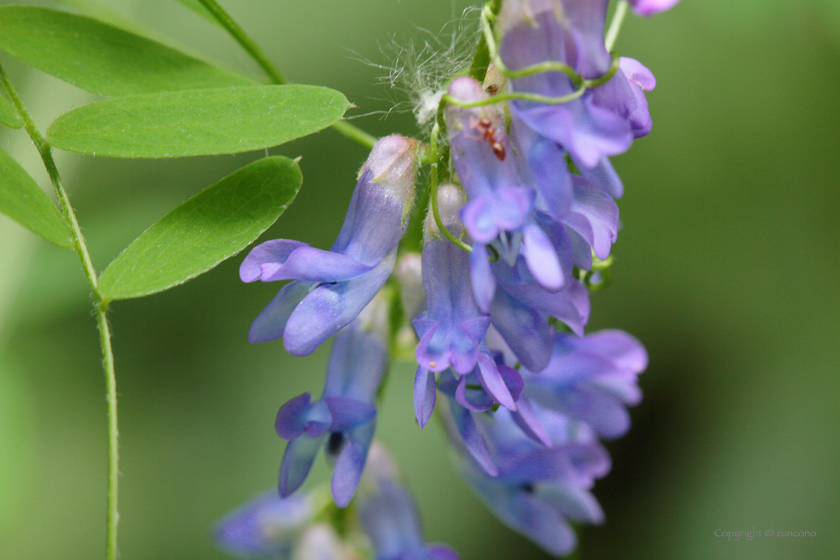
pixel 578 216
pixel 265 527
pixel 452 326
pixel 344 419
pixel 586 130
pixel 330 288
pixel 625 95
pixel 601 123
pixel 651 7
pixel 536 489
pixel 591 379
pixel 500 208
pixel 471 395
pixel 500 212
pixel 486 165
pixel 390 517
pixel 520 310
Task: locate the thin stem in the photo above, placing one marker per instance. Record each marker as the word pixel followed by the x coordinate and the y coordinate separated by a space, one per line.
pixel 434 183
pixel 113 428
pixel 515 95
pixel 45 150
pixel 615 24
pixel 578 81
pixel 354 133
pixel 246 42
pixel 487 16
pixel 481 58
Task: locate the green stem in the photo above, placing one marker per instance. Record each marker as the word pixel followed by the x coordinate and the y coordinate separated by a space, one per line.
pixel 515 95
pixel 579 82
pixel 354 133
pixel 434 184
pixel 615 24
pixel 113 428
pixel 489 39
pixel 45 151
pixel 246 42
pixel 481 59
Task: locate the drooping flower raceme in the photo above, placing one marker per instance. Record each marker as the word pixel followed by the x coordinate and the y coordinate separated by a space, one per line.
pixel 344 419
pixel 330 288
pixel 498 300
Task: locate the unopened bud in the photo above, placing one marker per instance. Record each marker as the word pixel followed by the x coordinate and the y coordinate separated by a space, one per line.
pixel 392 164
pixel 494 81
pixel 451 199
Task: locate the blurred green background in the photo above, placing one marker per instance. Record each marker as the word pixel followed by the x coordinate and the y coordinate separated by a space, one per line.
pixel 727 269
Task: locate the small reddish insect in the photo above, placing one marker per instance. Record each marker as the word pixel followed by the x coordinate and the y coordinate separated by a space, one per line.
pixel 490 133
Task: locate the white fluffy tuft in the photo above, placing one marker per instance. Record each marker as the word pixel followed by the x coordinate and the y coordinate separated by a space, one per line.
pixel 420 70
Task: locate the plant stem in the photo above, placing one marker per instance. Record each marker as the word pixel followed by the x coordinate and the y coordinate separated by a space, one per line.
pixel 113 428
pixel 615 24
pixel 100 307
pixel 275 76
pixel 244 40
pixel 354 133
pixel 433 192
pixel 481 59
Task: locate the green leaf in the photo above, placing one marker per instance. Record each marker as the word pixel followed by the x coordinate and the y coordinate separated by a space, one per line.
pixel 23 200
pixel 100 58
pixel 207 229
pixel 198 8
pixel 197 122
pixel 8 115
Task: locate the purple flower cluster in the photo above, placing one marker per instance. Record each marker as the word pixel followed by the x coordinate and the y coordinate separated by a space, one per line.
pixel 534 466
pixel 497 299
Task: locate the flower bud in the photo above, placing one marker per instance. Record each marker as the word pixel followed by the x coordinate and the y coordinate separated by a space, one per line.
pixel 392 164
pixel 451 199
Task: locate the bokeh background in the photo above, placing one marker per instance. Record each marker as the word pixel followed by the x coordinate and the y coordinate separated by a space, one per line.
pixel 727 268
